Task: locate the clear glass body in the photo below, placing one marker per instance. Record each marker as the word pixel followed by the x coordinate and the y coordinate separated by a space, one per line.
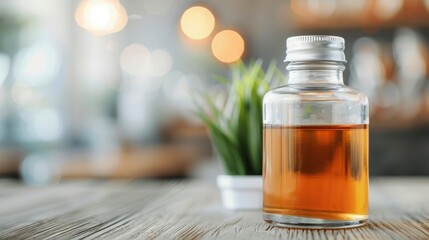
pixel 315 150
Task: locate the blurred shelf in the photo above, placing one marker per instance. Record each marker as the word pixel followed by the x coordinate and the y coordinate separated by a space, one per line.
pixel 142 162
pixel 344 23
pixel 396 123
pixel 184 144
pixel 412 13
pixel 10 159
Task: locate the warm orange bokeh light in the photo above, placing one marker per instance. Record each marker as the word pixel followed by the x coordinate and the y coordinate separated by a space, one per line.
pixel 228 46
pixel 386 9
pixel 101 17
pixel 197 22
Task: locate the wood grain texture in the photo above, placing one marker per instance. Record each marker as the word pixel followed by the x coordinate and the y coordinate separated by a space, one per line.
pixel 188 210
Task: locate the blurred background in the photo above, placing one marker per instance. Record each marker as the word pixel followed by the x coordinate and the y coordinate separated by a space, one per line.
pixel 103 88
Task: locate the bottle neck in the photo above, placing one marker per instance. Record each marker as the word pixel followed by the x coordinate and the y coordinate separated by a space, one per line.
pixel 315 73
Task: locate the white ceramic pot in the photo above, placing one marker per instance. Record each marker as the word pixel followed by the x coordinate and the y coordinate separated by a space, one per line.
pixel 240 192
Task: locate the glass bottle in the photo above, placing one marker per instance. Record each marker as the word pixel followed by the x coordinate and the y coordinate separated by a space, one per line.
pixel 315 141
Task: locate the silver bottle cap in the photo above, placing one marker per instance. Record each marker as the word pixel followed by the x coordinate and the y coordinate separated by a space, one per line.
pixel 315 48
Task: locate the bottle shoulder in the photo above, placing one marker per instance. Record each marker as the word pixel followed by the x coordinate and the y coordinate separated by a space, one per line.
pixel 328 93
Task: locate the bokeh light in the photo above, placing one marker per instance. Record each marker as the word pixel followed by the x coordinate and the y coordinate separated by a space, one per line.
pixel 197 22
pixel 386 9
pixel 40 124
pixel 349 8
pixel 228 46
pixel 37 169
pixel 101 17
pixel 426 2
pixel 323 8
pixel 36 65
pixel 170 84
pixel 25 95
pixel 135 60
pixel 298 7
pixel 161 63
pixel 46 125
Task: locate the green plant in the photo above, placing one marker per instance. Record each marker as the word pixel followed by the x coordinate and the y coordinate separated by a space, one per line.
pixel 235 127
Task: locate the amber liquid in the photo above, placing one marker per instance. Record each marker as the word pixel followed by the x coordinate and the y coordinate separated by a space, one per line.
pixel 316 171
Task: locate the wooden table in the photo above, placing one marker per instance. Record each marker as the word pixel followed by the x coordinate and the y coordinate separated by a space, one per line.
pixel 188 209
